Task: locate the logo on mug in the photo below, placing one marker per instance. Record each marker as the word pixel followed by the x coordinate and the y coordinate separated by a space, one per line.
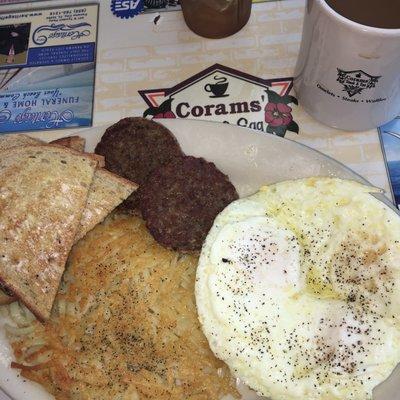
pixel 218 88
pixel 354 82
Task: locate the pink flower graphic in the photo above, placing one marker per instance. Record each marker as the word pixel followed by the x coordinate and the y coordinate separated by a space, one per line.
pixel 278 114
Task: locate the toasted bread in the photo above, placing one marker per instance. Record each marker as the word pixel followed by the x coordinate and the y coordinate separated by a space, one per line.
pixel 73 142
pixel 101 161
pixel 106 192
pixel 44 190
pixel 6 297
pixel 10 140
pixel 77 143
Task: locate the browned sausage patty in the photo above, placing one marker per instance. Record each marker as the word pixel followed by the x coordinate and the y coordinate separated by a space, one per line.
pixel 181 199
pixel 134 147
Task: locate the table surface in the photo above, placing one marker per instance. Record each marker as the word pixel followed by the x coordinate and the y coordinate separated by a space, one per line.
pixel 136 54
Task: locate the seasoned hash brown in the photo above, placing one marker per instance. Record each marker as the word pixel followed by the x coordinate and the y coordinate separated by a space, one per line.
pixel 124 325
pixel 133 147
pixel 181 199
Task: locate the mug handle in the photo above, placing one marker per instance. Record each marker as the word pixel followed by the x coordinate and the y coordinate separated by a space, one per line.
pixel 207 88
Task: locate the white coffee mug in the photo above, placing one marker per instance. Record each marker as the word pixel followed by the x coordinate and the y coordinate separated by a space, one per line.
pixel 347 75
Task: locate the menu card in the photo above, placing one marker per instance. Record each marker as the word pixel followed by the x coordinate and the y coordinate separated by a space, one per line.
pixel 390 139
pixel 47 68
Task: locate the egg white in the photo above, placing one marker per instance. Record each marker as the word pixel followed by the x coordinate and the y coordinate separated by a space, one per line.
pixel 298 290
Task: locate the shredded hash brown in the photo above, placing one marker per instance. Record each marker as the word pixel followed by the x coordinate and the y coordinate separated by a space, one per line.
pixel 124 325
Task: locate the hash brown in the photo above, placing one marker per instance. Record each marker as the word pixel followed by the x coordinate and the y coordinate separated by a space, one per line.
pixel 124 325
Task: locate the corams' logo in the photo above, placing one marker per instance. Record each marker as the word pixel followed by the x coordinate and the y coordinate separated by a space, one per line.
pixel 354 82
pixel 226 95
pixel 60 31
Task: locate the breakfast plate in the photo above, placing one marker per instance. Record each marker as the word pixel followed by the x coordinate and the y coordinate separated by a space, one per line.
pixel 250 159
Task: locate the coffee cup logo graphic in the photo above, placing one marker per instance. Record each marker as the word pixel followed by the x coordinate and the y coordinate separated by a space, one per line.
pixel 354 82
pixel 218 88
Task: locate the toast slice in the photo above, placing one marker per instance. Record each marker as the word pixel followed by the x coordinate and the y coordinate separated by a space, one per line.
pixel 6 297
pixel 106 193
pixel 43 192
pixel 73 142
pixel 10 140
pixel 78 143
pixel 101 161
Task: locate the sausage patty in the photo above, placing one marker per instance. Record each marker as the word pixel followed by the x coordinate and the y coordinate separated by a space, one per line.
pixel 134 147
pixel 181 199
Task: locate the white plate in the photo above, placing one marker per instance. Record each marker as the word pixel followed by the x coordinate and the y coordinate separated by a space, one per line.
pixel 251 159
